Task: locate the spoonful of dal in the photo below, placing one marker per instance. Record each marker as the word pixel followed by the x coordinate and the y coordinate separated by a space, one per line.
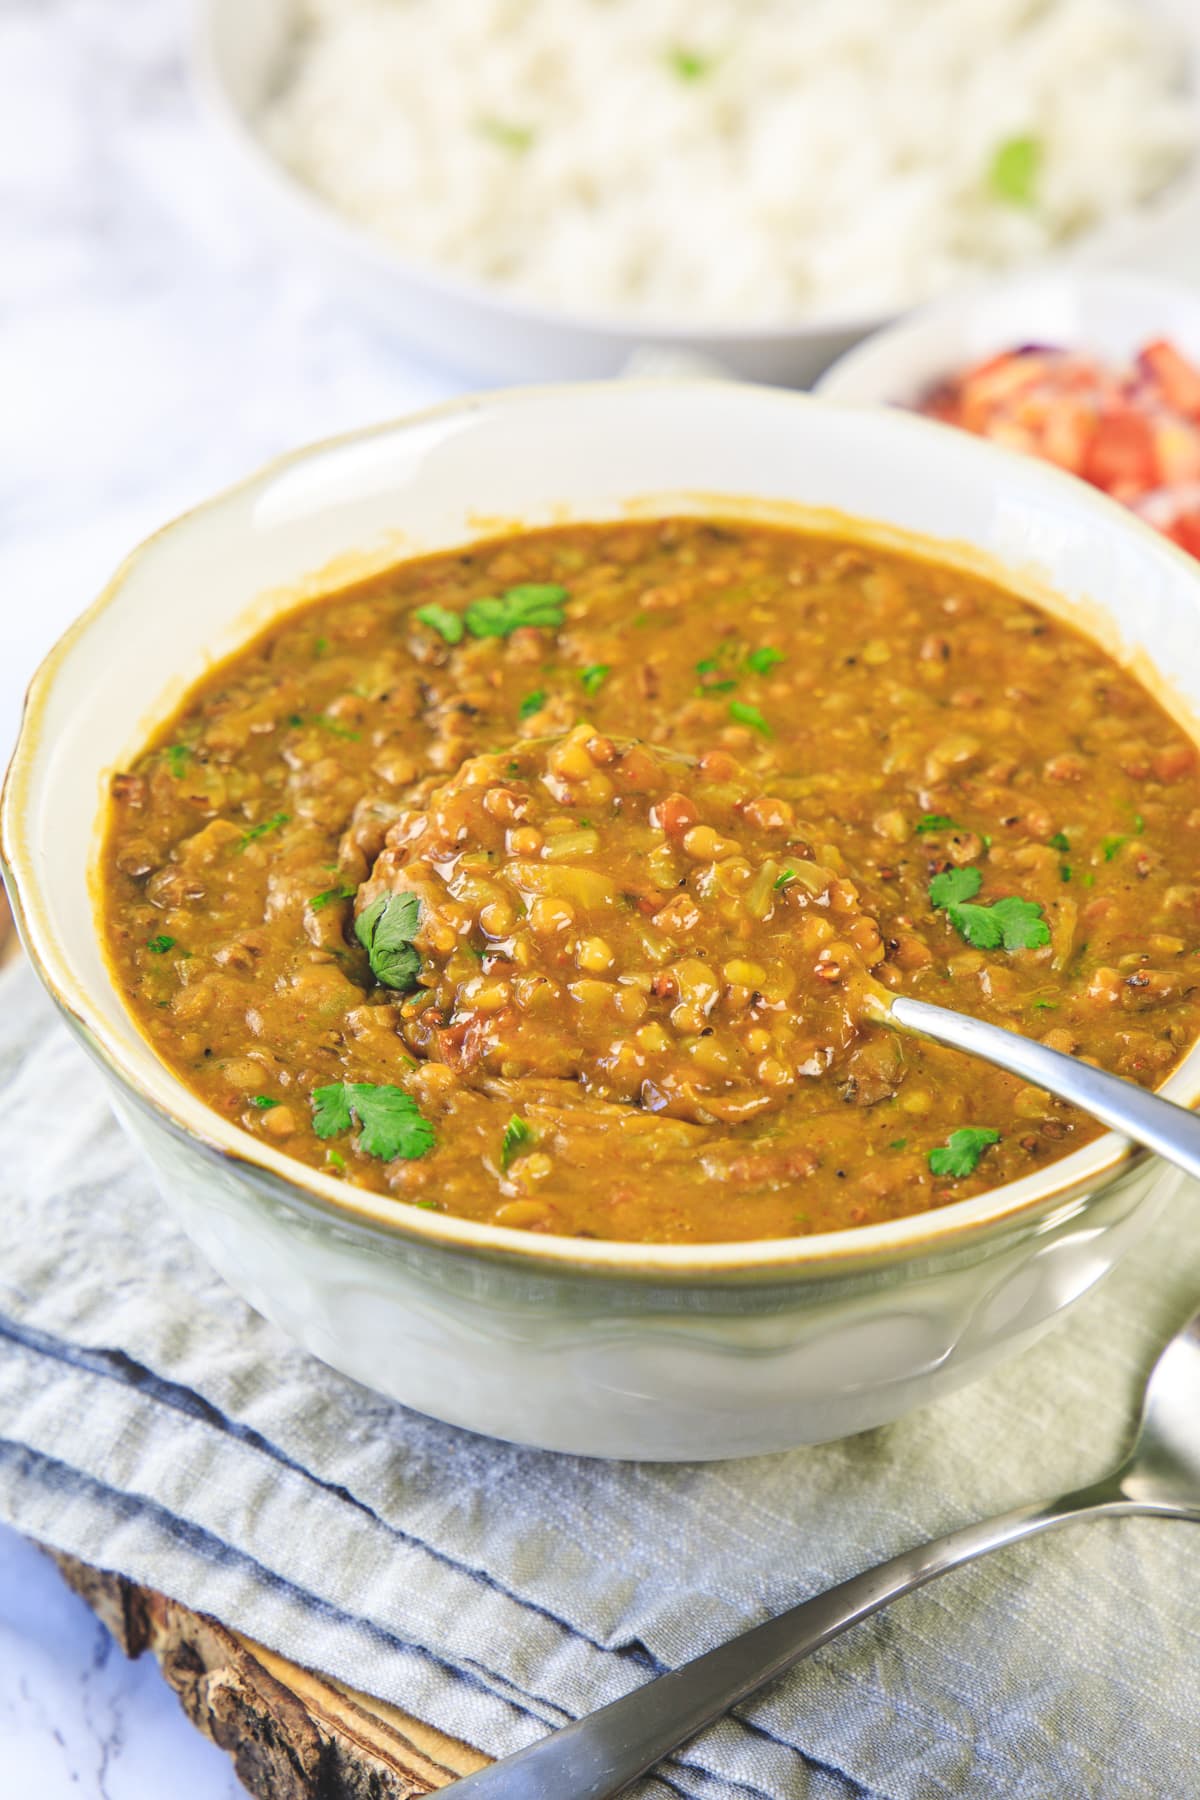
pixel 665 933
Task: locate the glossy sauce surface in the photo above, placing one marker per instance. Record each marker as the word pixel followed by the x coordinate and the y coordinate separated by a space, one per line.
pixel 593 1028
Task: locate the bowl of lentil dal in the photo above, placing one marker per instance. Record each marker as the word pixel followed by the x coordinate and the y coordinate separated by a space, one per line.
pixel 466 918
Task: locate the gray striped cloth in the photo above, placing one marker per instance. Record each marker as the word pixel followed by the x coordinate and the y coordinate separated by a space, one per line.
pixel 151 1423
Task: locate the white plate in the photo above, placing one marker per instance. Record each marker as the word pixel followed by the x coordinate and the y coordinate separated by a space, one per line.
pixel 1108 314
pixel 239 53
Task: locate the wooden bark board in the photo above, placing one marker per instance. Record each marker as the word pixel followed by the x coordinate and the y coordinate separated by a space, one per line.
pixel 292 1734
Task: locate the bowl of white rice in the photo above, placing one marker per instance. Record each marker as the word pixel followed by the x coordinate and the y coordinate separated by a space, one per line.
pixel 544 188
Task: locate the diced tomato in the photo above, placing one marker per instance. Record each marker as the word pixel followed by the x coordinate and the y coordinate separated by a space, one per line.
pixel 1120 457
pixel 1176 451
pixel 1177 378
pixel 1133 432
pixel 1185 531
pixel 1066 434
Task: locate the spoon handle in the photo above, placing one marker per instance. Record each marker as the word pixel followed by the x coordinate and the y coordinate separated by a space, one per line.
pixel 1146 1118
pixel 601 1754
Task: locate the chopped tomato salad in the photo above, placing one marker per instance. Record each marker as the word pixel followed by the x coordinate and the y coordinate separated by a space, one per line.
pixel 1134 432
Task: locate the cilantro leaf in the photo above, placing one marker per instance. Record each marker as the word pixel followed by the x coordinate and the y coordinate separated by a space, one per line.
pixel 1111 845
pixel 517 138
pixel 1014 169
pixel 530 603
pixel 1011 923
pixel 935 822
pixel 254 832
pixel 955 885
pixel 263 1102
pixel 749 715
pixel 689 65
pixel 963 1149
pixel 158 946
pixel 532 703
pixel 1060 841
pixel 447 624
pixel 594 677
pixel 764 660
pixel 386 930
pixel 1022 926
pixel 517 1134
pixel 177 756
pixel 319 902
pixel 392 1124
pixel 331 1109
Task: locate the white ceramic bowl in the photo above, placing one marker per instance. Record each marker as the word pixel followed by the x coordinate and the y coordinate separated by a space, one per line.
pixel 602 1348
pixel 240 49
pixel 1109 314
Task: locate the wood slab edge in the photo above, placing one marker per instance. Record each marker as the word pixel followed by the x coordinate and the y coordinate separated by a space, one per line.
pixel 292 1734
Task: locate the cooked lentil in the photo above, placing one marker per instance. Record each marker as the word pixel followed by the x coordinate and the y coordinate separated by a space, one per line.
pixel 585 840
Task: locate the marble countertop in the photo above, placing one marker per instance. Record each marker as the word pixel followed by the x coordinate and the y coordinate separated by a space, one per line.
pixel 154 347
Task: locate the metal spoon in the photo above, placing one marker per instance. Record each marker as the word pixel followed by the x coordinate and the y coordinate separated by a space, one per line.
pixel 600 1755
pixel 1147 1118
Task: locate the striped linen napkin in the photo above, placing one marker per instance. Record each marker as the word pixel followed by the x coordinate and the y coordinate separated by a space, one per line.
pixel 152 1423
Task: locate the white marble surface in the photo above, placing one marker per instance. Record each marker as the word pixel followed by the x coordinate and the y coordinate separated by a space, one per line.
pixel 76 1719
pixel 153 345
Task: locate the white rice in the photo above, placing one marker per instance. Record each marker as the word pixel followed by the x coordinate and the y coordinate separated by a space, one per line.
pixel 727 160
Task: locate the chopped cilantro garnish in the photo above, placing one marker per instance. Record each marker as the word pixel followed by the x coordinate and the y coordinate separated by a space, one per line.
pixel 954 886
pixel 386 931
pixel 764 660
pixel 517 1134
pixel 1014 923
pixel 708 665
pixel 689 65
pixel 264 1102
pixel 1064 871
pixel 392 1123
pixel 897 1143
pixel 158 946
pixel 177 756
pixel 594 677
pixel 1059 841
pixel 517 138
pixel 254 832
pixel 1046 1005
pixel 532 703
pixel 447 624
pixel 717 687
pixel 1111 845
pixel 749 715
pixel 935 822
pixel 531 603
pixel 1139 824
pixel 959 1155
pixel 321 646
pixel 1014 169
pixel 335 1159
pixel 335 728
pixel 781 881
pixel 319 902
